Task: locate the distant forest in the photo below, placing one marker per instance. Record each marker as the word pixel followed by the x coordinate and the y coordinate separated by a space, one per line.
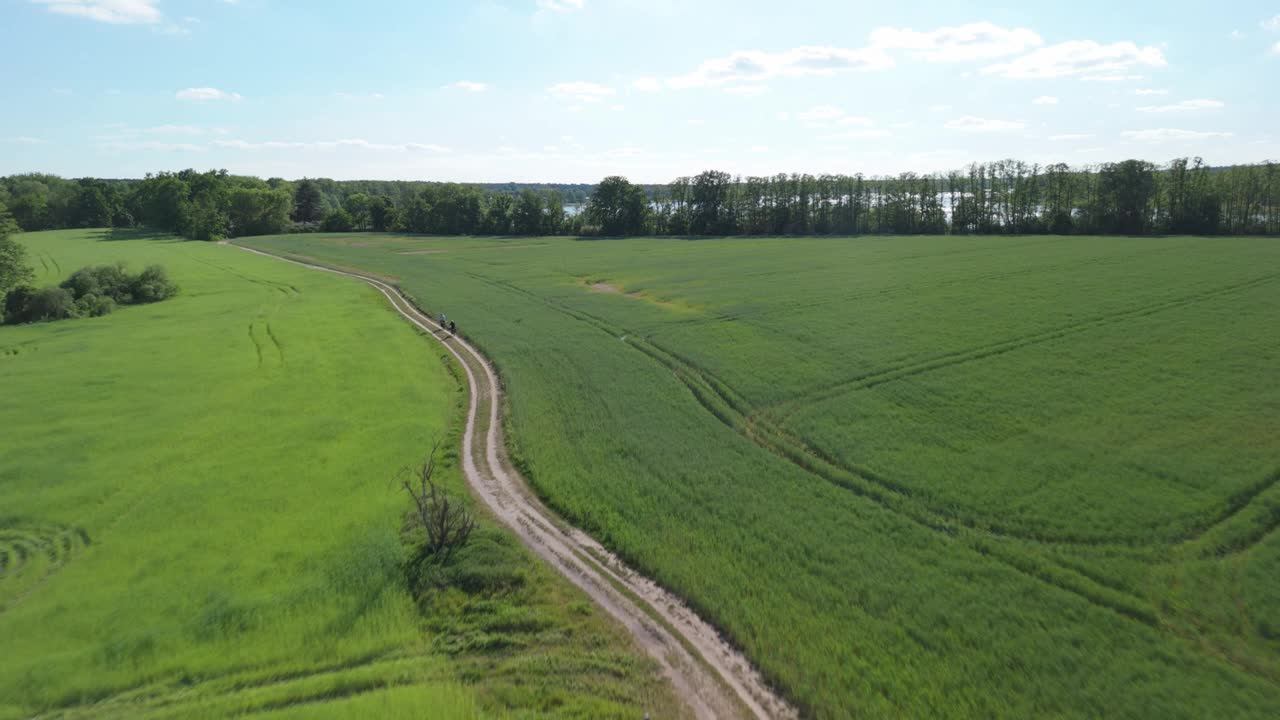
pixel 1132 197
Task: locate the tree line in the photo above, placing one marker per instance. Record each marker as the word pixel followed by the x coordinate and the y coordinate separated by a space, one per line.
pixel 215 204
pixel 89 292
pixel 1132 197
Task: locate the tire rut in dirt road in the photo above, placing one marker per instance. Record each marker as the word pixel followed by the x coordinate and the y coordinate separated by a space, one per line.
pixel 713 678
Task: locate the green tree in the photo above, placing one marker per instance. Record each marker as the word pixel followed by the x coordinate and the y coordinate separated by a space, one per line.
pixel 255 211
pixel 527 218
pixel 338 220
pixel 52 303
pixel 382 213
pixel 94 207
pixel 14 270
pixel 308 202
pixel 1125 192
pixel 618 207
pixel 553 212
pixel 162 202
pixel 206 221
pixel 358 206
pixel 497 214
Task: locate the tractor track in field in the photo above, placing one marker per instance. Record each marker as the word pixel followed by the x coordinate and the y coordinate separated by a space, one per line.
pixel 713 678
pixel 727 406
pixel 782 412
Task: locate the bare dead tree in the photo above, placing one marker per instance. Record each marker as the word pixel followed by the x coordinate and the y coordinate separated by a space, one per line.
pixel 446 524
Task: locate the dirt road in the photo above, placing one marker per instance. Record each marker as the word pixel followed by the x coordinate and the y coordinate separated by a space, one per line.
pixel 714 679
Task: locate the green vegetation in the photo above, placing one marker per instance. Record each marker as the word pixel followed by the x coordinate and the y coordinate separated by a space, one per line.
pixel 90 292
pixel 200 515
pixel 14 269
pixel 1133 197
pixel 929 476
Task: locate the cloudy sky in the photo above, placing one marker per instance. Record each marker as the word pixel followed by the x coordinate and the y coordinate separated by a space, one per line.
pixel 572 90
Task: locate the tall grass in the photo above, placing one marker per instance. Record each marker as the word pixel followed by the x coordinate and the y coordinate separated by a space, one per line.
pixel 200 495
pixel 910 476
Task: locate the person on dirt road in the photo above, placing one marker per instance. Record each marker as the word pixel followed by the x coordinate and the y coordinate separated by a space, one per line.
pixel 453 328
pixel 442 325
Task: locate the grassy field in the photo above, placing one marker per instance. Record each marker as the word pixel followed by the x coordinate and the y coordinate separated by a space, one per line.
pixel 927 476
pixel 197 516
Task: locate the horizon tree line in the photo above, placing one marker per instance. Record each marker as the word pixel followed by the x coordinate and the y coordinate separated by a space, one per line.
pixel 1132 197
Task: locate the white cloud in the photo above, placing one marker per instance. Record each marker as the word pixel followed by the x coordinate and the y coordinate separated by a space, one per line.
pixel 176 130
pixel 1184 106
pixel 331 145
pixel 583 92
pixel 1151 91
pixel 152 145
pixel 24 140
pixel 939 108
pixel 1079 57
pixel 1160 135
pixel 617 108
pixel 1272 24
pixel 747 90
pixel 969 123
pixel 854 134
pixel 561 6
pixel 1071 136
pixel 749 67
pixel 206 94
pixel 359 96
pixel 1275 49
pixel 824 115
pixel 758 149
pixel 1111 78
pixel 647 84
pixel 697 122
pixel 1045 100
pixel 975 41
pixel 470 86
pixel 627 151
pixel 116 12
pixel 820 114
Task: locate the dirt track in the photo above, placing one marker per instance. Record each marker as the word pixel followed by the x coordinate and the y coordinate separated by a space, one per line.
pixel 713 679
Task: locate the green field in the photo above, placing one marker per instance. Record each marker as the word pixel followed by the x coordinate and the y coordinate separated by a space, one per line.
pixel 197 515
pixel 920 476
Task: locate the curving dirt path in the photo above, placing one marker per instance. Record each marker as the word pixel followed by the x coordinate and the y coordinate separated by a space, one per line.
pixel 713 678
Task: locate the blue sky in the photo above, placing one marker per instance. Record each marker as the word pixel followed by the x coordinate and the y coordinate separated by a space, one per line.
pixel 572 90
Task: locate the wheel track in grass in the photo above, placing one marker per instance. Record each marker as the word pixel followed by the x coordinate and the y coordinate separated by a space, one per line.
pixel 727 406
pixel 783 412
pixel 37 547
pixel 174 691
pixel 768 421
pixel 890 291
pixel 713 678
pixel 716 398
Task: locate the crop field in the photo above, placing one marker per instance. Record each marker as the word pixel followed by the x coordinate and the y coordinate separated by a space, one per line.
pixel 920 476
pixel 197 515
